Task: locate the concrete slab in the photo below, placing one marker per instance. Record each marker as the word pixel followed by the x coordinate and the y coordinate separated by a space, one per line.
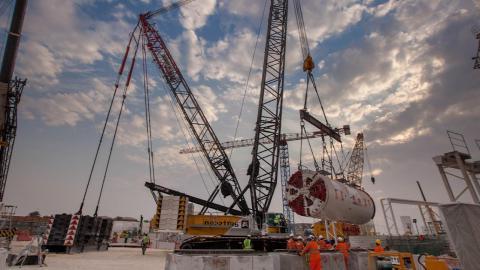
pixel 263 262
pixel 241 263
pixel 269 261
pixel 114 258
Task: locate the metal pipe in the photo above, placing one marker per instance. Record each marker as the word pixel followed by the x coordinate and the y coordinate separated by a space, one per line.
pixel 446 183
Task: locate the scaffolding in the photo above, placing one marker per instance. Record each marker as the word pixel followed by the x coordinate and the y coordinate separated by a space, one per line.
pixel 457 165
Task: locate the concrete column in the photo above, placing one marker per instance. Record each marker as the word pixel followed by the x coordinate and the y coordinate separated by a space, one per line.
pixel 462 167
pixel 446 183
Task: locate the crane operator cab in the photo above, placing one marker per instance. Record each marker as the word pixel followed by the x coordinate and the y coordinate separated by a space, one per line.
pixel 275 223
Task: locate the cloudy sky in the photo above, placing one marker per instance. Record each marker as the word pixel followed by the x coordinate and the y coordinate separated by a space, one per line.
pixel 400 71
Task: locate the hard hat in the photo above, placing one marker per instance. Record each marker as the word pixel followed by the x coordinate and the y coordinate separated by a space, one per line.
pixel 378 242
pixel 299 238
pixel 340 239
pixel 320 237
pixel 311 237
pixel 291 235
pixel 249 236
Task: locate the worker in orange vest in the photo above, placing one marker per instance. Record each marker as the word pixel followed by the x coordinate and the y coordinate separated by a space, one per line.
pixel 378 246
pixel 343 248
pixel 321 243
pixel 315 260
pixel 299 243
pixel 291 245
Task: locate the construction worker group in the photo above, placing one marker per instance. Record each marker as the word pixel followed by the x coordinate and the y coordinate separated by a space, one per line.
pixel 312 248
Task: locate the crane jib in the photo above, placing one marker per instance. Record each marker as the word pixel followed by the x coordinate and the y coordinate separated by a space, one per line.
pixel 193 114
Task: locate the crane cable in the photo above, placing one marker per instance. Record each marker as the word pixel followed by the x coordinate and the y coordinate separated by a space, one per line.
pixel 124 96
pixel 248 76
pixel 148 125
pixel 308 66
pixel 117 82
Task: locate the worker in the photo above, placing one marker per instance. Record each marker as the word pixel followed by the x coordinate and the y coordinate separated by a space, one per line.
pixel 247 243
pixel 291 243
pixel 328 244
pixel 299 243
pixel 277 220
pixel 321 242
pixel 311 248
pixel 378 246
pixel 343 248
pixel 145 243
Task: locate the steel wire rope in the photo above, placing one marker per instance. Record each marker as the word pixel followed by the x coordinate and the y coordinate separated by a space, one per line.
pixel 248 76
pixel 122 105
pixel 117 82
pixel 151 164
pixel 182 126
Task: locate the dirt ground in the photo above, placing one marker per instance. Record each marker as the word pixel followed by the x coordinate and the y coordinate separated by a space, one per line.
pixel 113 259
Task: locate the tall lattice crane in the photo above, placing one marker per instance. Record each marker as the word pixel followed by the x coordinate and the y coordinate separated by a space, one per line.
pixel 263 169
pixel 10 93
pixel 198 123
pixel 356 163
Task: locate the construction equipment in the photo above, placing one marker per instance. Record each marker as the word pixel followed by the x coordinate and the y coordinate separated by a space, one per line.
pixel 198 123
pixel 10 93
pixel 283 156
pixel 436 223
pixel 263 169
pixel 287 137
pixel 356 162
pixel 315 195
pixel 391 260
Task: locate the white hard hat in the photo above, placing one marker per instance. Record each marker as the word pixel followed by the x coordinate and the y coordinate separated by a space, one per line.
pixel 291 235
pixel 299 238
pixel 320 236
pixel 340 239
pixel 311 237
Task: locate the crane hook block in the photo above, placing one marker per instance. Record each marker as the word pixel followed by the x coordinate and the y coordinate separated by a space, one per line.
pixel 308 64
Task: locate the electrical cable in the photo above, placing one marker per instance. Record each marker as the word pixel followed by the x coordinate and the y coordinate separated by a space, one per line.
pixel 248 76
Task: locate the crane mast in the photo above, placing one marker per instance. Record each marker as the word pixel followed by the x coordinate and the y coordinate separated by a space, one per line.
pixel 10 93
pixel 355 165
pixel 203 132
pixel 263 170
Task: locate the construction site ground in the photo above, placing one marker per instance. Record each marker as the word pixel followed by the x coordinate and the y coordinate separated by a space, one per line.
pixel 114 258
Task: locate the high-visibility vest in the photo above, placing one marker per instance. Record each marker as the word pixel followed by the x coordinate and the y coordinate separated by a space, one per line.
pixel 247 244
